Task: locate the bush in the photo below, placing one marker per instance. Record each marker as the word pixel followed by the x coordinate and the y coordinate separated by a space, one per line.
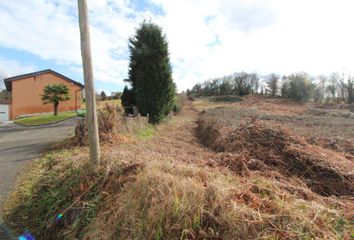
pixel 107 122
pixel 81 112
pixel 128 100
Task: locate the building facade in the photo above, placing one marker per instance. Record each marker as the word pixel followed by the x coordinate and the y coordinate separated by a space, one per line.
pixel 26 91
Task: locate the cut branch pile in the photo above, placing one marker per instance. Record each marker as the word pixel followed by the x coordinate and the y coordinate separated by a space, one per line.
pixel 255 145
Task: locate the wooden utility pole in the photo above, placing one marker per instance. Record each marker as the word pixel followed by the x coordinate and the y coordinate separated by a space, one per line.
pixel 89 86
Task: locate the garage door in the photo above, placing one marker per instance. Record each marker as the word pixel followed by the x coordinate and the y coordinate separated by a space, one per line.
pixel 4 112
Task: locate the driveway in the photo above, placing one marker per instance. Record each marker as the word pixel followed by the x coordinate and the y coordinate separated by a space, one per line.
pixel 19 145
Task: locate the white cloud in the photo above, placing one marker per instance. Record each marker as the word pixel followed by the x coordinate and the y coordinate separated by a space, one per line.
pixel 9 67
pixel 207 38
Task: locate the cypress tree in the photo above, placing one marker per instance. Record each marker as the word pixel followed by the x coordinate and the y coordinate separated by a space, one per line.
pixel 128 100
pixel 150 72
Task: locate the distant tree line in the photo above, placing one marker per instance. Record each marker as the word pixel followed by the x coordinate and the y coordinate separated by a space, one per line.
pixel 4 94
pixel 298 86
pixel 236 84
pixel 103 96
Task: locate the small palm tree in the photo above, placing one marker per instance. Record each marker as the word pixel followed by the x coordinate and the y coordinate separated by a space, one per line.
pixel 55 94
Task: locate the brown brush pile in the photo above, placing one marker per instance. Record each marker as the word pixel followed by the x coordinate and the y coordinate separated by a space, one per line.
pixel 112 126
pixel 335 143
pixel 107 121
pixel 255 145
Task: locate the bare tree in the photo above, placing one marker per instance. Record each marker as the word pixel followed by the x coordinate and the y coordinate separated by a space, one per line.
pixel 349 86
pixel 225 86
pixel 333 85
pixel 273 84
pixel 243 83
pixel 4 94
pixel 319 90
pixel 254 79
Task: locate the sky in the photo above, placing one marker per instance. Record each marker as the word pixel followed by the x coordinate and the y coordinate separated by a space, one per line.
pixel 207 38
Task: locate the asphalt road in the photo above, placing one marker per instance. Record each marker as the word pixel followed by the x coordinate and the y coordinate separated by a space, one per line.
pixel 19 144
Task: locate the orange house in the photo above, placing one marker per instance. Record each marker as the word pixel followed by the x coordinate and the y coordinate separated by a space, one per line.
pixel 27 89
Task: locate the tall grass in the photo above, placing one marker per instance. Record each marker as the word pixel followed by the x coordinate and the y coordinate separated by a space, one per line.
pixel 169 201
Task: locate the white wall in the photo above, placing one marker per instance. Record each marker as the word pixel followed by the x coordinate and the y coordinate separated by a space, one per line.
pixel 4 112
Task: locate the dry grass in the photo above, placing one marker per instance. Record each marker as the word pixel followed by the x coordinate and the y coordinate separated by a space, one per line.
pixel 169 186
pixel 188 202
pixel 113 127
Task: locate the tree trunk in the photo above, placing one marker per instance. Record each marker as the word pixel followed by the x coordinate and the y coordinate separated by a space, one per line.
pixel 350 91
pixel 56 108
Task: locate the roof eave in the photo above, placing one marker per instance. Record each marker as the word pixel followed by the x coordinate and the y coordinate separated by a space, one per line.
pixel 8 81
pixel 8 85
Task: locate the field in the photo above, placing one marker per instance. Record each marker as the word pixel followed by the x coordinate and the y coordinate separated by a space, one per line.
pixel 101 104
pixel 251 169
pixel 331 127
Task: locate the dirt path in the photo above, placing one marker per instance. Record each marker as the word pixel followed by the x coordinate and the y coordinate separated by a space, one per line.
pixel 175 141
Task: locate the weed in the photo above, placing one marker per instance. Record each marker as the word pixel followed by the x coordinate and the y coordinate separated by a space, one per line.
pixel 51 192
pixel 340 225
pixel 197 221
pixel 159 233
pixel 147 133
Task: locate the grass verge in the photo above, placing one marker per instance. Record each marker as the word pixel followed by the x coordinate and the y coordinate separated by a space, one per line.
pixel 179 201
pixel 44 119
pixel 47 190
pixel 164 200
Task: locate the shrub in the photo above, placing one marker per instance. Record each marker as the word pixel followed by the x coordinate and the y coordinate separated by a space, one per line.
pixel 81 112
pixel 128 100
pixel 107 122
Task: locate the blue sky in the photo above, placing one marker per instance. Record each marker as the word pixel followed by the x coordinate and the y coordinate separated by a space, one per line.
pixel 207 38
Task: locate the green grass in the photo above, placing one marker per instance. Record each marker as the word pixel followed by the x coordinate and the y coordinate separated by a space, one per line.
pixel 45 119
pixel 226 98
pixel 57 183
pixel 147 133
pixel 81 112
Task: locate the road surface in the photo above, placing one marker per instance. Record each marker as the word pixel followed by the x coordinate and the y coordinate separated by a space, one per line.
pixel 19 144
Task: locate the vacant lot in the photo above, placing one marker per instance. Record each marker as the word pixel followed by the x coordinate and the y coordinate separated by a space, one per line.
pixel 331 127
pixel 221 174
